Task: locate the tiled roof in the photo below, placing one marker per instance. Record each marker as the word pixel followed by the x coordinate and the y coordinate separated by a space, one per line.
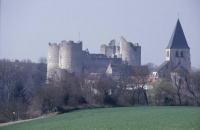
pixel 139 70
pixel 178 40
pixel 161 66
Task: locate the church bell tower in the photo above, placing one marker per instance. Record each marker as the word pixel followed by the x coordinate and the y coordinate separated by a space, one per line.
pixel 178 51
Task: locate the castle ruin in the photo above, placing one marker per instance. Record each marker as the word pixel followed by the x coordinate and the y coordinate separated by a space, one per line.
pixel 68 57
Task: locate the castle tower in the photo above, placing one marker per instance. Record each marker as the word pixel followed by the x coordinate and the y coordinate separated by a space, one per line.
pixel 70 57
pixel 111 50
pixel 178 51
pixel 52 60
pixel 130 52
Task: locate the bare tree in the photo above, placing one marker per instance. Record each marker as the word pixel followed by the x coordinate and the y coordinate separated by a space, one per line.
pixel 163 93
pixel 7 76
pixel 19 100
pixel 39 74
pixel 42 60
pixel 106 91
pixel 186 84
pixel 192 82
pixel 177 81
pixel 139 81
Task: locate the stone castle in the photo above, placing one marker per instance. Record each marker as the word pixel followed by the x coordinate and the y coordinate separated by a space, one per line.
pixel 69 57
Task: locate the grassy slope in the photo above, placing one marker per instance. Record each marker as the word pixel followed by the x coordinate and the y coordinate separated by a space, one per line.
pixel 124 118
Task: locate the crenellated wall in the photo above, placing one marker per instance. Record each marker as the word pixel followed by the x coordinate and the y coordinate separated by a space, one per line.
pixel 69 56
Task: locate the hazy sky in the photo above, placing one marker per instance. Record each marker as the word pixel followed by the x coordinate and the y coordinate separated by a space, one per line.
pixel 27 26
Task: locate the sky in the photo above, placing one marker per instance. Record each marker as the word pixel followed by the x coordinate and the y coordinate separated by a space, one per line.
pixel 27 26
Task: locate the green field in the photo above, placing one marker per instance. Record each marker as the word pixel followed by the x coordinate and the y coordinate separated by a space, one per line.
pixel 122 118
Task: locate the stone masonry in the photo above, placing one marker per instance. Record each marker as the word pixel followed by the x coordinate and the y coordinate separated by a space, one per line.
pixel 69 56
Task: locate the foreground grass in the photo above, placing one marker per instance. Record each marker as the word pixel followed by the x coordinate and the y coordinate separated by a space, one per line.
pixel 123 118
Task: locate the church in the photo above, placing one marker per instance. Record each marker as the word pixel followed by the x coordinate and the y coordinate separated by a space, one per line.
pixel 68 57
pixel 177 54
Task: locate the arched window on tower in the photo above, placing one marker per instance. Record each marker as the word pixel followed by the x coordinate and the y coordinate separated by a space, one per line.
pixel 181 54
pixel 177 54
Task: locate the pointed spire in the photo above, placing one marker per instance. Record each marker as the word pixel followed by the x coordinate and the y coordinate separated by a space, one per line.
pixel 178 40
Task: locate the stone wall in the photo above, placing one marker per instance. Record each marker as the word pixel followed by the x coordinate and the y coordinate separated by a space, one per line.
pixel 110 49
pixel 130 52
pixel 71 56
pixel 103 49
pixel 99 65
pixel 86 60
pixel 180 56
pixel 52 59
pixel 135 51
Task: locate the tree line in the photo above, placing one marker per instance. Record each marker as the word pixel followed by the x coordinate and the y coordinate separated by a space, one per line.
pixel 25 94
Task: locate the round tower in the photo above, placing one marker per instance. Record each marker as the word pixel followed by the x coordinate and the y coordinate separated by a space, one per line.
pixel 125 51
pixel 130 52
pixel 52 59
pixel 71 57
